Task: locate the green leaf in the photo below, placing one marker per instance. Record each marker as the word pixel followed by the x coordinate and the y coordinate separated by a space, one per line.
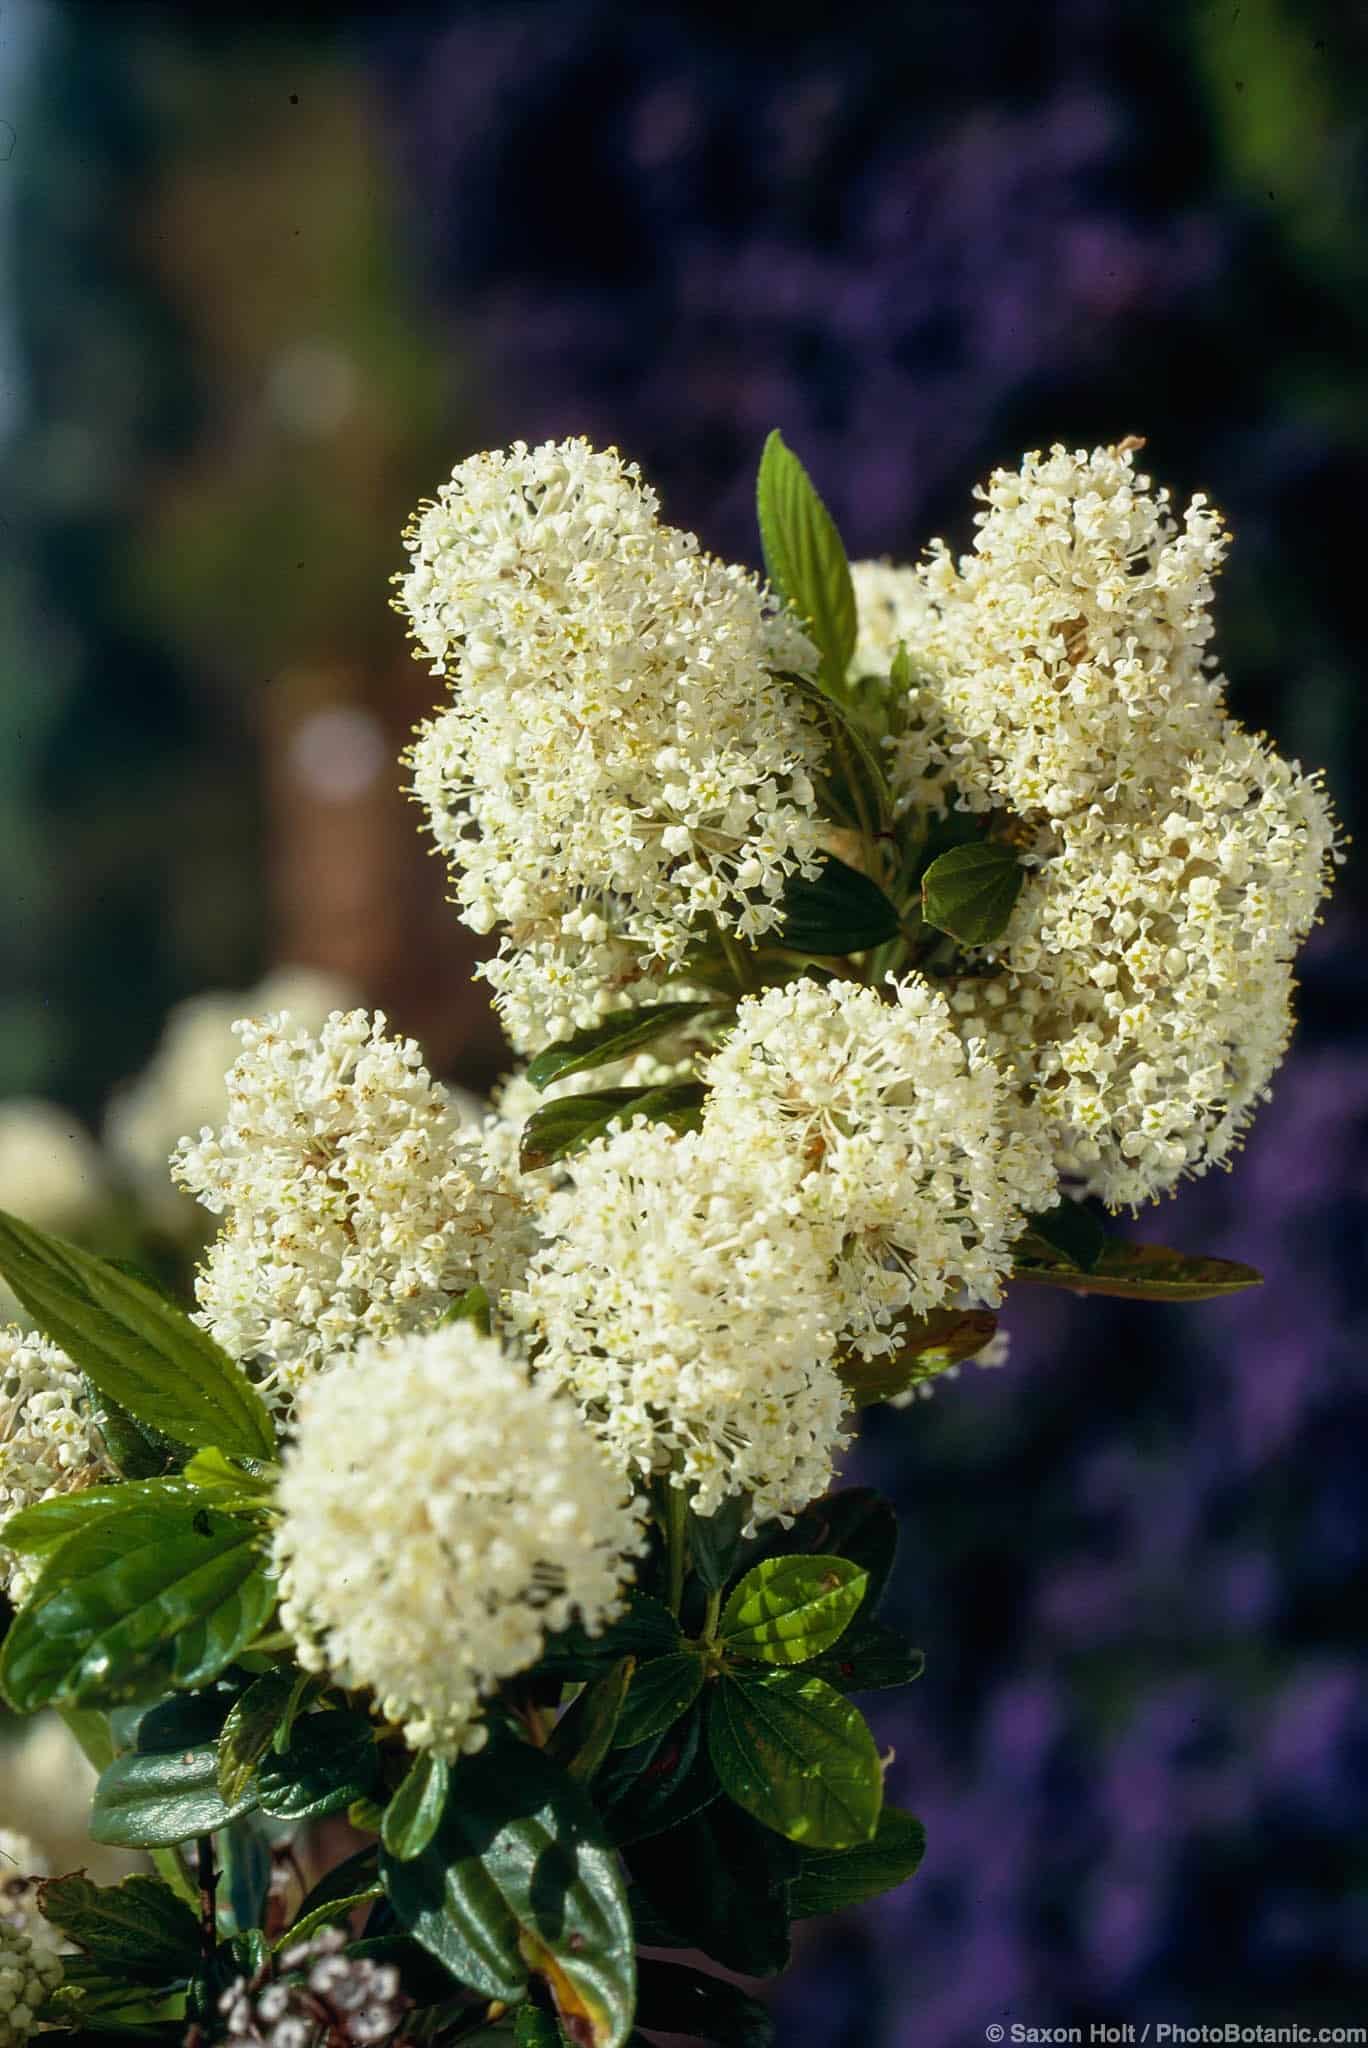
pixel 1074 1231
pixel 788 1609
pixel 715 1540
pixel 828 1883
pixel 839 912
pixel 797 1756
pixel 330 1762
pixel 44 1527
pixel 856 1523
pixel 621 1032
pixel 248 1731
pixel 338 1889
pixel 533 2028
pixel 1133 1272
pixel 470 1307
pixel 135 1452
pixel 660 1692
pixel 332 1913
pixel 139 1926
pixel 157 1593
pixel 856 783
pixel 929 1345
pixel 645 1628
pixel 971 891
pixel 804 557
pixel 151 1800
pixel 721 1882
pixel 870 1658
pixel 574 1121
pixel 137 1347
pixel 583 1736
pixel 518 1878
pixel 413 1813
pixel 675 2000
pixel 656 1785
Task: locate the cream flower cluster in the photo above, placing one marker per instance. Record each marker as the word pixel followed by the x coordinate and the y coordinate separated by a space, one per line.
pixel 29 1975
pixel 901 1137
pixel 22 1864
pixel 441 1513
pixel 356 1201
pixel 685 1302
pixel 618 764
pixel 49 1444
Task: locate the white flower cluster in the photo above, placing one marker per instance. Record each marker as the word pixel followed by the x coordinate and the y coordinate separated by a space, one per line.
pixel 182 1086
pixel 28 1977
pixel 356 1200
pixel 618 764
pixel 48 1441
pixel 901 1138
pixel 1062 678
pixel 320 1995
pixel 22 1864
pixel 441 1513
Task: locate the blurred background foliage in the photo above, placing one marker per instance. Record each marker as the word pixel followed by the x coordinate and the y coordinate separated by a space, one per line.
pixel 265 280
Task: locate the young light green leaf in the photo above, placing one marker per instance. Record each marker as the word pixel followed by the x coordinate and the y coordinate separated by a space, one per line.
pixel 568 1125
pixel 139 1927
pixel 660 1692
pixel 1133 1272
pixel 621 1032
pixel 856 1523
pixel 470 1307
pixel 829 1883
pixel 796 1756
pixel 788 1609
pixel 157 1593
pixel 137 1347
pixel 838 913
pixel 930 1345
pixel 804 556
pixel 971 891
pixel 413 1814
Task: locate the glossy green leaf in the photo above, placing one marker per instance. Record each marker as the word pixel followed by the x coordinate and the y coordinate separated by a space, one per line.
pixel 620 1033
pixel 828 1883
pixel 797 1756
pixel 715 1540
pixel 869 1658
pixel 856 1523
pixel 135 1452
pixel 839 912
pixel 533 2028
pixel 138 1348
pixel 930 1345
pixel 518 1878
pixel 659 1694
pixel 248 1731
pixel 583 1736
pixel 332 1913
pixel 1075 1231
pixel 721 1881
pixel 413 1814
pixel 656 1785
pixel 356 1877
pixel 1134 1272
pixel 574 1121
pixel 672 1999
pixel 152 1800
pixel 804 556
pixel 43 1528
pixel 159 1593
pixel 331 1761
pixel 139 1926
pixel 971 891
pixel 788 1609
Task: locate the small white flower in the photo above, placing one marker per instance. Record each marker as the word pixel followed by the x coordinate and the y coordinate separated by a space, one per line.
pixel 49 1444
pixel 441 1513
pixel 29 1974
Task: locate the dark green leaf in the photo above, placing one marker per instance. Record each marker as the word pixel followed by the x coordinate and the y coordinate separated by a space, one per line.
pixel 839 912
pixel 137 1347
pixel 714 1540
pixel 134 1451
pixel 44 1527
pixel 332 1913
pixel 583 1736
pixel 645 1628
pixel 330 1762
pixel 856 1523
pixel 335 1891
pixel 797 1756
pixel 248 1731
pixel 245 1863
pixel 620 1033
pixel 653 1787
pixel 1134 1272
pixel 1074 1231
pixel 804 557
pixel 971 891
pixel 533 2028
pixel 930 1344
pixel 827 1883
pixel 149 1801
pixel 413 1813
pixel 788 1609
pixel 156 1593
pixel 518 1878
pixel 184 1720
pixel 139 1926
pixel 660 1692
pixel 870 1658
pixel 855 778
pixel 574 1121
pixel 674 2000
pixel 721 1881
